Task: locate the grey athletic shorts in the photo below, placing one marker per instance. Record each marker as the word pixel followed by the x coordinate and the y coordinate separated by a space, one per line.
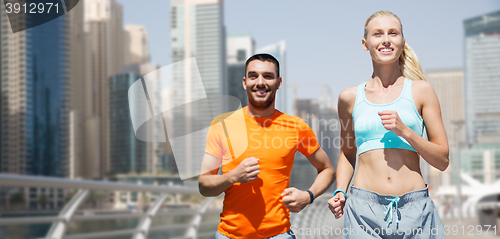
pixel 370 215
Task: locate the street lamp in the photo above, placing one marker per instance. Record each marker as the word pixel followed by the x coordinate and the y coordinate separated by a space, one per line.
pixel 457 125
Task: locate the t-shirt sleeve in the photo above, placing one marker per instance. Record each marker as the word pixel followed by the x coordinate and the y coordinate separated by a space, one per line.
pixel 214 140
pixel 308 143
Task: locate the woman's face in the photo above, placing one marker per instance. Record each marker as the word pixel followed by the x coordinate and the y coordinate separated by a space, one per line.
pixel 384 39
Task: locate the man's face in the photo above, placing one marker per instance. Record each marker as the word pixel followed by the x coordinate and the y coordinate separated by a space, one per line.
pixel 261 83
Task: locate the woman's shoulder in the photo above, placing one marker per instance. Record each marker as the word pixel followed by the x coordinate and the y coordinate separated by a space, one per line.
pixel 421 86
pixel 348 96
pixel 422 92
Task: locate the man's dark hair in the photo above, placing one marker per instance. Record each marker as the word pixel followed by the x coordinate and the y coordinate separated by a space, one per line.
pixel 264 57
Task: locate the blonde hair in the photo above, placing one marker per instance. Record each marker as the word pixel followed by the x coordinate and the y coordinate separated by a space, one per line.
pixel 409 65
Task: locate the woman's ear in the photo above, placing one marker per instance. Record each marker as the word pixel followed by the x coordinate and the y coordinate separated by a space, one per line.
pixel 365 45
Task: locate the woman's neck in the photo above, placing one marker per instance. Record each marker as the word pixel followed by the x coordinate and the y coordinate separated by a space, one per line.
pixel 386 75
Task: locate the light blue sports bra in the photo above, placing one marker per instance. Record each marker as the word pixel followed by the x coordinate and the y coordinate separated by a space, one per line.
pixel 368 129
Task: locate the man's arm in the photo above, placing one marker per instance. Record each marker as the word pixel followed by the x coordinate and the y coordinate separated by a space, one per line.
pixel 326 176
pixel 326 172
pixel 212 184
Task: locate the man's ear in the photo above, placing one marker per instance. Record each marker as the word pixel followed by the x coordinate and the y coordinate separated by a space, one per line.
pixel 244 83
pixel 279 82
pixel 365 44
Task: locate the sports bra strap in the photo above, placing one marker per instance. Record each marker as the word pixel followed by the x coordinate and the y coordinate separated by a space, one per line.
pixel 407 94
pixel 359 93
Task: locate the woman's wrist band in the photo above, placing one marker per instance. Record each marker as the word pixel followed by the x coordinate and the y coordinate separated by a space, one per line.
pixel 340 190
pixel 311 195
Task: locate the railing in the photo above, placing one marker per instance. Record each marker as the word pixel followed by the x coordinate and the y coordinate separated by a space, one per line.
pixel 315 221
pixel 67 214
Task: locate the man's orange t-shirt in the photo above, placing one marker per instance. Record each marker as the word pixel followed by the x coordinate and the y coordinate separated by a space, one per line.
pixel 256 209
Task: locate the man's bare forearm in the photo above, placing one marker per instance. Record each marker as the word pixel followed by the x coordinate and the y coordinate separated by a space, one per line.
pixel 213 185
pixel 323 181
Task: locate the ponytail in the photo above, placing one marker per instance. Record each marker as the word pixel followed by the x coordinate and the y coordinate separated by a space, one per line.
pixel 409 65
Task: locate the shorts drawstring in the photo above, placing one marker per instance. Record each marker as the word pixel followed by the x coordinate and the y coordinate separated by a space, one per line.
pixel 393 200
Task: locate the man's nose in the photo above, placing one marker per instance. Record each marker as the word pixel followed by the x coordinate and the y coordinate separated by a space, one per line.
pixel 260 81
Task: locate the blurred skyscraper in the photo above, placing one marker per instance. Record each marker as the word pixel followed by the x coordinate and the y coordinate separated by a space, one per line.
pixel 83 141
pixel 33 83
pixel 278 50
pixel 127 153
pixel 103 22
pixel 197 30
pixel 137 40
pixel 239 48
pixel 482 77
pixel 449 87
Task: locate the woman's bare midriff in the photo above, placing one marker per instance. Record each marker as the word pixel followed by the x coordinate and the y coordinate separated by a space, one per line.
pixel 389 171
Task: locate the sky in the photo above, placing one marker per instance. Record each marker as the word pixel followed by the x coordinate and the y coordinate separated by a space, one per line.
pixel 323 38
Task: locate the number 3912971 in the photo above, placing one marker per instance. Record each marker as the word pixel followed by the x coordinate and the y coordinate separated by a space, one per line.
pixel 31 8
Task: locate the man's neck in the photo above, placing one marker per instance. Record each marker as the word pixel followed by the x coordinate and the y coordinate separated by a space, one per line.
pixel 260 112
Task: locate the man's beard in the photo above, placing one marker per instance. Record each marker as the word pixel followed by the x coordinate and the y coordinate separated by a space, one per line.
pixel 263 105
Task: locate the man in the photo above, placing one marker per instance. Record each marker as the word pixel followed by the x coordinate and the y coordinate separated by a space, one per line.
pixel 257 198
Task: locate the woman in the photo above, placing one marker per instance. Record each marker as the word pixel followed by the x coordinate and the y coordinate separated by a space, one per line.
pixel 382 123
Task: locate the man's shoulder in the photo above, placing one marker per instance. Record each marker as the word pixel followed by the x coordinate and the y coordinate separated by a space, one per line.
pixel 226 115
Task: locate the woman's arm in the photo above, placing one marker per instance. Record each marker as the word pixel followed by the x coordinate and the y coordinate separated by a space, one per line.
pixel 348 150
pixel 435 150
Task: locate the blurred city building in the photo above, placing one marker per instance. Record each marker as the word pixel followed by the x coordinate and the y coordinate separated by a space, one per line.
pixel 482 162
pixel 278 50
pixel 83 140
pixel 104 24
pixel 303 173
pixel 197 30
pixel 127 152
pixel 240 46
pixel 482 77
pixel 322 117
pixel 34 91
pixel 329 127
pixel 471 183
pixel 33 97
pixel 448 83
pixel 137 41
